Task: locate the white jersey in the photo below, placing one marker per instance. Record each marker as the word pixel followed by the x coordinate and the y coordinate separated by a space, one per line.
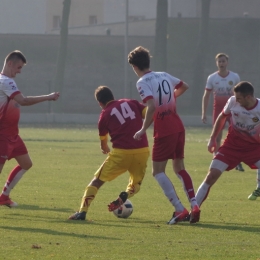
pixel 222 87
pixel 9 109
pixel 245 123
pixel 160 86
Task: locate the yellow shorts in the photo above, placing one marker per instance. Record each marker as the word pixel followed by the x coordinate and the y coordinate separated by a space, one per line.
pixel 119 161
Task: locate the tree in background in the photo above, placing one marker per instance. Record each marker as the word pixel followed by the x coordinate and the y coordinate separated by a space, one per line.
pixel 160 53
pixel 62 54
pixel 201 52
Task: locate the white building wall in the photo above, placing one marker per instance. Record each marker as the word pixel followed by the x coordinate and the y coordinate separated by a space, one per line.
pixel 22 16
pixel 115 10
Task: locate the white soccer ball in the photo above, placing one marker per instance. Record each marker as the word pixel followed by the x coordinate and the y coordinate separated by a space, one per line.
pixel 125 210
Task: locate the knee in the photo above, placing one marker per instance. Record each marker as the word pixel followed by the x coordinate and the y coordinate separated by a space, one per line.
pixel 27 165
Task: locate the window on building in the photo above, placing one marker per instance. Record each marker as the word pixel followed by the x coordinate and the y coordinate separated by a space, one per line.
pixel 56 22
pixel 92 19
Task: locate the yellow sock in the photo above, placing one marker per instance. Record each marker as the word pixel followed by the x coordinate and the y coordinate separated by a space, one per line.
pixel 88 197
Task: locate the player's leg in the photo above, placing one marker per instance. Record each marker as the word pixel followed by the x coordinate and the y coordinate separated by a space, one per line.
pixel 256 193
pixel 24 164
pixel 162 151
pixel 183 175
pixel 122 162
pixel 89 195
pixel 165 183
pixel 137 169
pixel 240 168
pixel 215 170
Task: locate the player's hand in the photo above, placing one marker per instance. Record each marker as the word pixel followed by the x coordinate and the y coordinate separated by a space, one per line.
pixel 138 135
pixel 54 96
pixel 105 149
pixel 204 119
pixel 212 144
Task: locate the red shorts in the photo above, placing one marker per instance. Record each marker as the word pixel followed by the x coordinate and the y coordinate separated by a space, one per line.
pixel 169 147
pixel 11 149
pixel 232 156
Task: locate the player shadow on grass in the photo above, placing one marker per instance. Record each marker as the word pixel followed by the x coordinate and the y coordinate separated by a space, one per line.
pixel 35 207
pixel 55 233
pixel 230 226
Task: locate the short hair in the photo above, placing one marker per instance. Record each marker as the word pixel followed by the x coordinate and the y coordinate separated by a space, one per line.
pixel 245 88
pixel 15 56
pixel 140 57
pixel 103 94
pixel 219 55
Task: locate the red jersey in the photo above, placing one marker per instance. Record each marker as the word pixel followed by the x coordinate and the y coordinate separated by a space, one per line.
pixel 9 109
pixel 121 119
pixel 160 86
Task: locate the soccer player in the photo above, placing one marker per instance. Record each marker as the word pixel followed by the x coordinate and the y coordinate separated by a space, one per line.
pixel 11 144
pixel 159 91
pixel 221 84
pixel 242 143
pixel 120 119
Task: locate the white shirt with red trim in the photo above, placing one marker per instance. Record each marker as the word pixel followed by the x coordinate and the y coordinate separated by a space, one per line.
pixel 9 109
pixel 245 123
pixel 222 87
pixel 160 86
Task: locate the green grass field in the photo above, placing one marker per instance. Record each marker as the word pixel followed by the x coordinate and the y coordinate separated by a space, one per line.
pixel 65 160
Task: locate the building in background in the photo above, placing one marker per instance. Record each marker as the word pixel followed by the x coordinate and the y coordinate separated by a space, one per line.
pixel 99 17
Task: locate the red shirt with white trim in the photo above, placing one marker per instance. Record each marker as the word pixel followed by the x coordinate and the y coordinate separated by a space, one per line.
pixel 160 86
pixel 121 119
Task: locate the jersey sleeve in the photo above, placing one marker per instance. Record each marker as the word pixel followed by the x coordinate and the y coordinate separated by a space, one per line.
pixel 144 91
pixel 10 88
pixel 227 108
pixel 102 126
pixel 209 85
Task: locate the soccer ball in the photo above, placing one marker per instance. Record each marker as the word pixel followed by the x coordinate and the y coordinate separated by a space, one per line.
pixel 125 210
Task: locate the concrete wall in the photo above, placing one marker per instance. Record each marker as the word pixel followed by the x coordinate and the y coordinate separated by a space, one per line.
pixel 100 60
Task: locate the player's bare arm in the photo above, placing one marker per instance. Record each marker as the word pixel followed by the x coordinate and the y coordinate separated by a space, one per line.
pixel 147 120
pixel 178 92
pixel 31 100
pixel 205 102
pixel 218 126
pixel 104 147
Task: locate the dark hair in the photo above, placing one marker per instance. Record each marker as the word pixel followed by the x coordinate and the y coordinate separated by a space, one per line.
pixel 15 55
pixel 103 94
pixel 245 88
pixel 139 57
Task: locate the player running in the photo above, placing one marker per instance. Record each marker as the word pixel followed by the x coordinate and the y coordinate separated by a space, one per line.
pixel 11 144
pixel 242 143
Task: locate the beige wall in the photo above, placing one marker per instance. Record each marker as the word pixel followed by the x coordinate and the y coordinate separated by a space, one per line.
pixel 233 8
pixel 80 12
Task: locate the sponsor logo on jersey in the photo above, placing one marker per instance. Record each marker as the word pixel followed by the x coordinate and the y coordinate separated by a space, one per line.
pixel 10 83
pixel 231 83
pixel 236 114
pixel 161 115
pixel 4 156
pixel 255 119
pixel 13 87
